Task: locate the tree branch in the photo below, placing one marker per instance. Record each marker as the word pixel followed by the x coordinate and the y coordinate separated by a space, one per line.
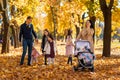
pixel 111 4
pixel 1 5
pixel 5 2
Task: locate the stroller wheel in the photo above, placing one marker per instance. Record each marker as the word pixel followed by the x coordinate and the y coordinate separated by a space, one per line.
pixel 75 68
pixel 91 69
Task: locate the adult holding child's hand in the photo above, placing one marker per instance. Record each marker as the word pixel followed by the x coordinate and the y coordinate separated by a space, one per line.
pixel 27 32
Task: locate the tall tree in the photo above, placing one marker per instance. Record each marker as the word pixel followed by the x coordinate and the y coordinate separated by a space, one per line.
pixel 15 33
pixel 77 26
pixel 4 9
pixel 54 17
pixel 55 4
pixel 107 14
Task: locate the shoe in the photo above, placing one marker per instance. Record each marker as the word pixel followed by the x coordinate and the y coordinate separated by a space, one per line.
pixel 68 60
pixel 29 64
pixel 21 64
pixel 91 69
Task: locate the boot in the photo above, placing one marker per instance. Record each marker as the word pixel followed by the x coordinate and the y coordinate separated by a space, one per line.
pixel 68 60
pixel 71 59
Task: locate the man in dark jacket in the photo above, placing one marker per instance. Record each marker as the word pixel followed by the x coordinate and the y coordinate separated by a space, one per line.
pixel 26 33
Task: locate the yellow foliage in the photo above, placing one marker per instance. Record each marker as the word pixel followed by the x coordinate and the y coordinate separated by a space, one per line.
pixel 98 31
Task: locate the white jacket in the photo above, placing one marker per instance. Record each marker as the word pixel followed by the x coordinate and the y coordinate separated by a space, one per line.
pixel 47 48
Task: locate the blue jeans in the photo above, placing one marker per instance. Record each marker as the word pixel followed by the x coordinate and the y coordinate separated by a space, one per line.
pixel 27 43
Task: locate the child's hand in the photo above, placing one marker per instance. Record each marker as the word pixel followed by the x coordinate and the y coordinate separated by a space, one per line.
pixel 40 49
pixel 43 54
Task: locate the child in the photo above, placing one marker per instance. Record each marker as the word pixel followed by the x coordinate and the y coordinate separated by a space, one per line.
pixel 50 49
pixel 69 46
pixel 35 54
pixel 44 40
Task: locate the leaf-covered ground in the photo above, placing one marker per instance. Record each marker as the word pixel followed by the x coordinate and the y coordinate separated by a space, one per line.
pixel 105 68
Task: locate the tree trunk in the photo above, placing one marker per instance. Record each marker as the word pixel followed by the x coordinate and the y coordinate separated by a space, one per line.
pixel 107 34
pixel 14 35
pixel 17 38
pixel 106 9
pixel 77 30
pixel 5 37
pixel 76 26
pixel 55 22
pixel 8 47
pixel 6 27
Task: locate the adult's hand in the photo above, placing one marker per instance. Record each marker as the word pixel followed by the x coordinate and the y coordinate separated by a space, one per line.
pixel 76 39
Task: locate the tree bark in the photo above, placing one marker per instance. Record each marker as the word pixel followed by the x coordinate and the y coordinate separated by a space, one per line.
pixel 17 37
pixel 55 22
pixel 14 35
pixel 77 30
pixel 107 34
pixel 6 27
pixel 5 37
pixel 8 47
pixel 76 26
pixel 107 29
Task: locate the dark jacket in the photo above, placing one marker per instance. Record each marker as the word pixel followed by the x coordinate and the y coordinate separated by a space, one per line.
pixel 26 31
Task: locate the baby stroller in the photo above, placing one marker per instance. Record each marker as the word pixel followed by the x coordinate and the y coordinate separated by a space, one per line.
pixel 84 55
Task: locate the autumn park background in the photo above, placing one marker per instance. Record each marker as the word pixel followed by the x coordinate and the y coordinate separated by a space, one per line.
pixel 58 16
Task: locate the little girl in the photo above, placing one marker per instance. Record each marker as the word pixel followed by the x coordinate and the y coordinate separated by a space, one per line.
pixel 34 55
pixel 69 46
pixel 50 49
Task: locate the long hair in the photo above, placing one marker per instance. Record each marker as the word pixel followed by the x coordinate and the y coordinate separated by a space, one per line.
pixel 46 31
pixel 50 36
pixel 43 39
pixel 69 33
pixel 91 26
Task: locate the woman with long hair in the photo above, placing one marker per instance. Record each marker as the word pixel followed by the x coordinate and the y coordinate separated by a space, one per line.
pixel 87 34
